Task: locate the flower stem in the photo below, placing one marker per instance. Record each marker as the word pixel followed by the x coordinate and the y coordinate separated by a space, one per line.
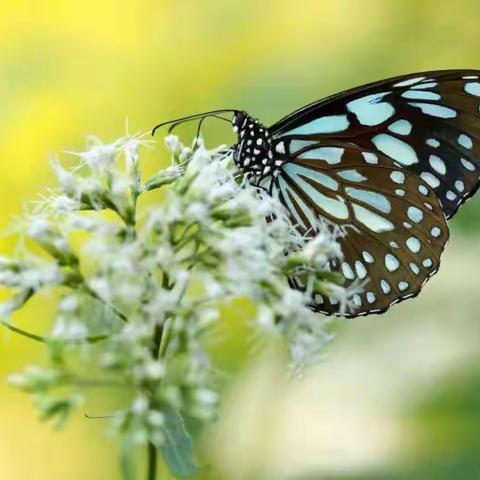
pixel 156 352
pixel 24 333
pixel 152 462
pixel 152 449
pixel 38 338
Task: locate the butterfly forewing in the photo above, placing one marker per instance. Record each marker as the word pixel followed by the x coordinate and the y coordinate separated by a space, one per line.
pixel 394 228
pixel 428 123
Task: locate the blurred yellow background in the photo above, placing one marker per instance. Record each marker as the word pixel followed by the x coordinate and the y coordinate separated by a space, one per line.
pixel 68 69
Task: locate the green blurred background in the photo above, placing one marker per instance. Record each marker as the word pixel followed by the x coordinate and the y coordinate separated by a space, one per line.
pixel 68 69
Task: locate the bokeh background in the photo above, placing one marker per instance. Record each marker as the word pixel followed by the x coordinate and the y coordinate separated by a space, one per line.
pixel 403 388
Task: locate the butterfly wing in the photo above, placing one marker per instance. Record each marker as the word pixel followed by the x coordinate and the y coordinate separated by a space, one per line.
pixel 393 224
pixel 428 123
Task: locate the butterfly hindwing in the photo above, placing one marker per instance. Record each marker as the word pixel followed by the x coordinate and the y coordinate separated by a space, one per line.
pixel 394 229
pixel 428 123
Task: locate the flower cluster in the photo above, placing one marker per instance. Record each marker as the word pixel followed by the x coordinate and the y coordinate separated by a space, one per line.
pixel 140 288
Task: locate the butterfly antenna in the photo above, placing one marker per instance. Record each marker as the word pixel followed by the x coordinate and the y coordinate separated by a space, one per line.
pixel 178 121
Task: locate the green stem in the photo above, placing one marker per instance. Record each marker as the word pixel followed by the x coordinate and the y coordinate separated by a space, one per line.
pixel 152 449
pixel 152 462
pixel 112 307
pixel 24 333
pixel 38 338
pixel 157 346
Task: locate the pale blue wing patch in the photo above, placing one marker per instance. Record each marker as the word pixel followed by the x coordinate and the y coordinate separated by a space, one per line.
pixel 433 110
pixel 410 81
pixel 421 95
pixel 376 223
pixel 331 155
pixel 371 110
pixel 373 199
pixel 391 262
pixel 327 124
pixel 351 175
pixel 335 208
pixel 297 145
pixel 425 85
pixel 294 170
pixel 438 164
pixel 473 88
pixel 396 149
pixel 401 127
pixel 465 141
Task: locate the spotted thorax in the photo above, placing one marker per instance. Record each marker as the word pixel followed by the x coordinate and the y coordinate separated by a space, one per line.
pixel 256 152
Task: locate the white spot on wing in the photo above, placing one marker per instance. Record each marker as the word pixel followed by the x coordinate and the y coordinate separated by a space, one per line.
pixel 431 179
pixel 297 145
pixel 360 269
pixel 451 196
pixel 400 151
pixel 391 262
pixel 438 164
pixel 371 220
pixel 370 110
pixel 401 127
pixel 370 158
pixel 294 170
pixel 473 88
pixel 465 141
pixel 351 175
pixel 347 271
pixel 415 214
pixel 432 142
pixel 335 208
pixel 357 300
pixel 421 95
pixel 427 263
pixel 413 244
pixel 327 124
pixel 410 81
pixel 398 177
pixel 367 256
pixel 468 165
pixel 423 189
pixel 424 85
pixel 374 199
pixel 434 110
pixel 385 286
pixel 332 155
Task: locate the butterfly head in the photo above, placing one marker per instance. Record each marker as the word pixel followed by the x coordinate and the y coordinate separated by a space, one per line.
pixel 253 152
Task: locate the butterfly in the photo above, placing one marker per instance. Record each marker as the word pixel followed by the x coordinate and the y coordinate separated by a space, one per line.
pixel 387 163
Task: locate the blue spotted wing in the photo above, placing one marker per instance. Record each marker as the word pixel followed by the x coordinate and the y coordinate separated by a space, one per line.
pixel 388 163
pixel 428 123
pixel 394 229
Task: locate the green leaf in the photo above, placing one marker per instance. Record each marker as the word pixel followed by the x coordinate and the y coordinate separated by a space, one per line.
pixel 177 449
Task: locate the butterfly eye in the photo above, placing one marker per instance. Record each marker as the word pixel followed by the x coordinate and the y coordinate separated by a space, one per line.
pixel 239 119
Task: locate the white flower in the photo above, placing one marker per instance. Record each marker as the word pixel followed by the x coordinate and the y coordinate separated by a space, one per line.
pixel 154 279
pixel 154 370
pixel 100 157
pixel 322 248
pixel 173 144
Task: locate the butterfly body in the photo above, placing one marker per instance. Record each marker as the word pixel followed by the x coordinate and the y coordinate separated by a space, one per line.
pixel 387 163
pixel 256 151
